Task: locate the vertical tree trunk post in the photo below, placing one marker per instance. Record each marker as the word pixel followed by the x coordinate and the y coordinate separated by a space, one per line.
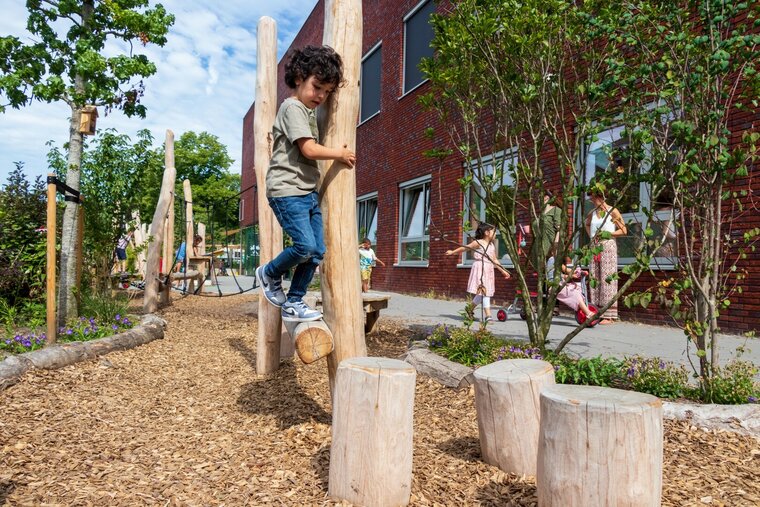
pixel 80 252
pixel 372 429
pixel 50 273
pixel 341 279
pixel 507 404
pixel 189 225
pixel 150 298
pixel 269 336
pixel 202 234
pixel 599 446
pixel 169 239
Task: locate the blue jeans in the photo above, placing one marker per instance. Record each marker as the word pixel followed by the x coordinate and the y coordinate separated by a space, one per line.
pixel 301 218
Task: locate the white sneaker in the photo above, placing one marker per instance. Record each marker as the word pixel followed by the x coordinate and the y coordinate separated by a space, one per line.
pixel 271 288
pixel 298 311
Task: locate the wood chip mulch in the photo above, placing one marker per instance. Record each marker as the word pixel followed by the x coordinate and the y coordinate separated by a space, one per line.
pixel 186 421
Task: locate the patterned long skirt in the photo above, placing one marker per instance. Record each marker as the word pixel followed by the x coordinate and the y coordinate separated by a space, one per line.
pixel 604 265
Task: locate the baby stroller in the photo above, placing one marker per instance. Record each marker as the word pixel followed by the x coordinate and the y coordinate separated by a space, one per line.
pixel 517 306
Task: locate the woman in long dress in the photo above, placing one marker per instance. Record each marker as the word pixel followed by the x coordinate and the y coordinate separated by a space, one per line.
pixel 604 218
pixel 481 283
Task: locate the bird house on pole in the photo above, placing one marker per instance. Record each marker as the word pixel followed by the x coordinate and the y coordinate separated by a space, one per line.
pixel 87 120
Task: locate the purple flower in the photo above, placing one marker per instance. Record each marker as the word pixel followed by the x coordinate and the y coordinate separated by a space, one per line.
pixel 87 330
pixel 752 399
pixel 631 371
pixel 92 320
pixel 126 322
pixel 8 342
pixel 69 331
pixel 17 338
pixel 118 316
pixel 114 327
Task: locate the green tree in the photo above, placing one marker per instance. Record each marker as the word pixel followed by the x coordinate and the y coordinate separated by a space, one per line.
pixel 692 70
pixel 68 62
pixel 523 78
pixel 22 238
pixel 112 168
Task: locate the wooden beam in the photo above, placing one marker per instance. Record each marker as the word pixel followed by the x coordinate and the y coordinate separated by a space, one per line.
pixel 150 298
pixel 341 279
pixel 270 233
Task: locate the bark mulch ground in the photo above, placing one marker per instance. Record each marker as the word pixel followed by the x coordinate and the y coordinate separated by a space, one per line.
pixel 185 421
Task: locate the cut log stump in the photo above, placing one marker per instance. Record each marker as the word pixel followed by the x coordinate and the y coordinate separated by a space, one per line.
pixel 508 408
pixel 371 452
pixel 313 340
pixel 599 446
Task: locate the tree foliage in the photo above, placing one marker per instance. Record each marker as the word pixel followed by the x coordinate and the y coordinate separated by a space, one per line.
pixel 22 237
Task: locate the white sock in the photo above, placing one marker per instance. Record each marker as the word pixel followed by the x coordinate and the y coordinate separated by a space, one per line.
pixel 486 303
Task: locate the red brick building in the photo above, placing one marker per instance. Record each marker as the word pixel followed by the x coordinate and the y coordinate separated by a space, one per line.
pixel 410 205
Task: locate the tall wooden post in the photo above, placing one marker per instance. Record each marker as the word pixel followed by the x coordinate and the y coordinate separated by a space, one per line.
pixel 80 253
pixel 50 274
pixel 150 299
pixel 169 239
pixel 341 280
pixel 189 229
pixel 270 232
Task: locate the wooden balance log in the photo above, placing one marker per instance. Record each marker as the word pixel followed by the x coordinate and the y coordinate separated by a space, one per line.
pixel 507 405
pixel 599 446
pixel 313 340
pixel 372 429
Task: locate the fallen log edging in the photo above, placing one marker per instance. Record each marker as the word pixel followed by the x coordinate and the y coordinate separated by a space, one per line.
pixel 12 368
pixel 744 419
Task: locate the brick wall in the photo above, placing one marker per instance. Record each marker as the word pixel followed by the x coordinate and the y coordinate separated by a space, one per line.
pixel 389 153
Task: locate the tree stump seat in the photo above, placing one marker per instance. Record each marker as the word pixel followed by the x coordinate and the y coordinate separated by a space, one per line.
pixel 599 446
pixel 507 405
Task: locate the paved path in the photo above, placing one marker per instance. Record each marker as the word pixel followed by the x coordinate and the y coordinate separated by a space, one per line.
pixel 622 338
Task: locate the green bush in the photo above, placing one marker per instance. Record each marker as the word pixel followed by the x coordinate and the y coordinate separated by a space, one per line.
pixel 463 345
pixel 663 379
pixel 595 371
pixel 103 307
pixel 732 384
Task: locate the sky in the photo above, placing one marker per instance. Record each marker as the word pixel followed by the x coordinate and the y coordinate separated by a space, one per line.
pixel 205 80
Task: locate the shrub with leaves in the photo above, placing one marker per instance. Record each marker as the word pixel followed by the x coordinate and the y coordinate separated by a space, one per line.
pixel 733 384
pixel 655 376
pixel 595 371
pixel 463 345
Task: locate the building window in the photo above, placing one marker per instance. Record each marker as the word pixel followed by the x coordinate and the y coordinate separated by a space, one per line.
pixel 366 217
pixel 418 34
pixel 608 153
pixel 370 84
pixel 414 239
pixel 498 170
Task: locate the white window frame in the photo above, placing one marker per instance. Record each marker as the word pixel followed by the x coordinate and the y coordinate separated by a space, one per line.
pixel 508 156
pixel 409 15
pixel 606 138
pixel 362 199
pixel 376 47
pixel 403 188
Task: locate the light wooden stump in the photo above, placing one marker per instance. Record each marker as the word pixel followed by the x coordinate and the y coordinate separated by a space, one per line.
pixel 599 446
pixel 507 404
pixel 313 340
pixel 371 452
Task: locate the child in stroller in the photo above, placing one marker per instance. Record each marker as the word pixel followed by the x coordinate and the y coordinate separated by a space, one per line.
pixel 573 294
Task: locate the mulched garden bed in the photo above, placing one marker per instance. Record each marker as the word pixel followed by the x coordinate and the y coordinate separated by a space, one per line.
pixel 185 421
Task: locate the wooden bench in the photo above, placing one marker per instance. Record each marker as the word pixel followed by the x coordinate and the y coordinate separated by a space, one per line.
pixel 191 275
pixel 373 303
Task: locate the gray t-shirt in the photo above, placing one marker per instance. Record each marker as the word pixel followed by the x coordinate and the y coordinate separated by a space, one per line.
pixel 290 173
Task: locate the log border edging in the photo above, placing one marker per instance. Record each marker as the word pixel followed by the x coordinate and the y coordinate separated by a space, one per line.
pixel 13 368
pixel 743 419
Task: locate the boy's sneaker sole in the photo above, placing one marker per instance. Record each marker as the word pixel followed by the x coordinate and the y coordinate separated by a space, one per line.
pixel 269 297
pixel 295 318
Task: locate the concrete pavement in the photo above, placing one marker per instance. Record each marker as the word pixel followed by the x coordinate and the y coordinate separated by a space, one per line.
pixel 616 340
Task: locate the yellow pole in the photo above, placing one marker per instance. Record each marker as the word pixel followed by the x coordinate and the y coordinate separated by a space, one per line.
pixel 51 324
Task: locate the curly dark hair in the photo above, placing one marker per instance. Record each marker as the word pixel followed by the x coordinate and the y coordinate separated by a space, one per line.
pixel 321 62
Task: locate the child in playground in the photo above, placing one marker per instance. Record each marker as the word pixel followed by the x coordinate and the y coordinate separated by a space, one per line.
pixel 197 240
pixel 121 251
pixel 571 294
pixel 481 283
pixel 180 257
pixel 293 178
pixel 367 260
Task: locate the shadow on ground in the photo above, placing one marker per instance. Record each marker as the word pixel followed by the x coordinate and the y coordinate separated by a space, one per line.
pixel 279 395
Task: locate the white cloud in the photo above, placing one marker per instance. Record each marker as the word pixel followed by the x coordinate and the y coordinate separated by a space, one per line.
pixel 205 79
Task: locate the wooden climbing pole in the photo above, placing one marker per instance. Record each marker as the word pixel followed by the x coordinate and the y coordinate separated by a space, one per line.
pixel 150 299
pixel 270 232
pixel 341 280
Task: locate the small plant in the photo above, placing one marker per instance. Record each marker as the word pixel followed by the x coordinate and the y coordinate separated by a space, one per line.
pixel 595 371
pixel 732 384
pixel 464 345
pixel 23 343
pixel 663 379
pixel 516 351
pixel 103 307
pixel 85 329
pixel 468 314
